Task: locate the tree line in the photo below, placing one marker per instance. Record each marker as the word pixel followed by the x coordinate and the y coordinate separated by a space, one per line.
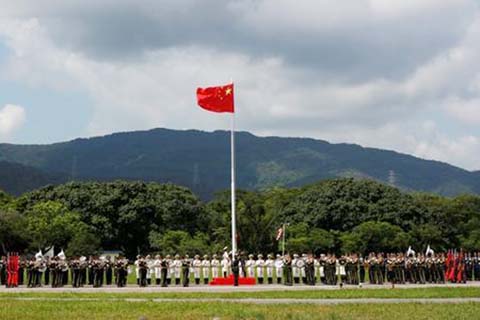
pixel 340 216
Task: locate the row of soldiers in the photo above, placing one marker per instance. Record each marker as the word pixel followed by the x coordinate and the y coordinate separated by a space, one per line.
pixel 292 269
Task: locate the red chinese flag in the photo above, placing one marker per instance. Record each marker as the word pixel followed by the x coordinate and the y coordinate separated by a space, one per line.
pixel 216 99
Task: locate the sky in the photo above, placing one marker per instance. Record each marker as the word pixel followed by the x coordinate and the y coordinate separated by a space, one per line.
pixel 402 75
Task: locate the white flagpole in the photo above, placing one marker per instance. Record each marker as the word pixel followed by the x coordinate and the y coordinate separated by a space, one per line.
pixel 232 149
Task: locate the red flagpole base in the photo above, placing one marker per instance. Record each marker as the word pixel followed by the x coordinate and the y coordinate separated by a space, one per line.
pixel 229 281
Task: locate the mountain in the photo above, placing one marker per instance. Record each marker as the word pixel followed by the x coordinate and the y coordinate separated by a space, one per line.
pixel 201 161
pixel 16 178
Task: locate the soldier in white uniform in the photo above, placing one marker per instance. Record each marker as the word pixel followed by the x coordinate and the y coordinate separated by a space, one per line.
pixel 157 267
pixel 260 264
pixel 177 269
pixel 206 269
pixel 302 270
pixel 269 264
pixel 295 269
pixel 137 269
pixel 150 269
pixel 250 264
pixel 279 268
pixel 225 265
pixel 197 269
pixel 215 266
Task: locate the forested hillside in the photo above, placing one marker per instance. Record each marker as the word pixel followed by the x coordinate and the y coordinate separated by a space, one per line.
pixel 201 161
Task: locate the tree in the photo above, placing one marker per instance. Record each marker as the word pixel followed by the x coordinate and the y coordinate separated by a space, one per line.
pixel 375 236
pixel 51 223
pixel 300 238
pixel 179 242
pixel 12 236
pixel 83 243
pixel 122 214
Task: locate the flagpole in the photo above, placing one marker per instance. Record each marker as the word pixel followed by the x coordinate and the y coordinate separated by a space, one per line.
pixel 232 156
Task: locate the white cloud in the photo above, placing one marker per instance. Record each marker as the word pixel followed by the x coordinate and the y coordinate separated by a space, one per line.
pixel 12 117
pixel 278 92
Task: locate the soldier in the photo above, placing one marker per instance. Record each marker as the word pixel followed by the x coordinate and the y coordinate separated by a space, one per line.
pixel 177 268
pixel 215 266
pixel 260 264
pixel 21 271
pixel 355 267
pixel 322 261
pixel 165 270
pixel 362 267
pixel 236 270
pixel 295 269
pixel 157 266
pixel 150 270
pixel 225 265
pixel 287 267
pixel 197 268
pixel 121 271
pixel 316 267
pixel 63 269
pixel 137 268
pixel 349 269
pixel 243 264
pixel 310 270
pixel 97 267
pixel 330 270
pixel 143 270
pixel 170 269
pixel 83 270
pixel 390 264
pixel 469 266
pixel 250 265
pixel 441 268
pixel 269 264
pixel 54 271
pixel 279 268
pixel 430 266
pixel 29 269
pixel 186 264
pixel 380 269
pixel 75 268
pixel 421 266
pixel 476 266
pixel 108 270
pixel 39 267
pixel 206 269
pixel 400 268
pixel 303 272
pixel 340 266
pixel 90 270
pixel 3 270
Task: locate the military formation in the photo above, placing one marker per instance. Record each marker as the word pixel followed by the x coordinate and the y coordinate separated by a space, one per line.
pixel 295 269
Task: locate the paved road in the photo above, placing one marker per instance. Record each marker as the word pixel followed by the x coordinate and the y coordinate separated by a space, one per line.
pixel 201 288
pixel 264 301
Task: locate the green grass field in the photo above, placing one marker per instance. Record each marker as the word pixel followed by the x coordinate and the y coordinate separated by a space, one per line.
pixel 72 310
pixel 439 292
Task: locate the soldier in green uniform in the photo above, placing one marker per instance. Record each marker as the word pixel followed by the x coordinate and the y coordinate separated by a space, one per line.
pixel 236 270
pixel 287 269
pixel 121 271
pixel 310 270
pixel 186 271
